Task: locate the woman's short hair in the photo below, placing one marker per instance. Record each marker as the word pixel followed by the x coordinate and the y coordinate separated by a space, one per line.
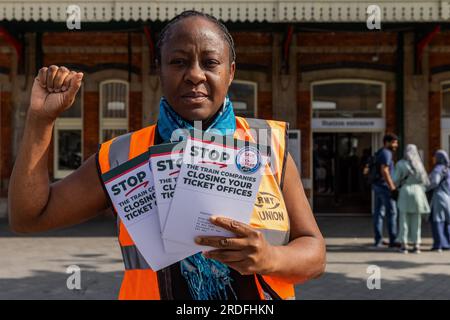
pixel 193 13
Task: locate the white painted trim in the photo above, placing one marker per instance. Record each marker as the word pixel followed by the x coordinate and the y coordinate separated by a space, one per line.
pixel 250 10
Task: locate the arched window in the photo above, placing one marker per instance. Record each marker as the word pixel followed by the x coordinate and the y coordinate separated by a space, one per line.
pixel 347 98
pixel 113 109
pixel 244 94
pixel 68 139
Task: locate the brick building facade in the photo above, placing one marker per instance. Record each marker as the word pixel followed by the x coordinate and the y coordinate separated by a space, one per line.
pixel 293 66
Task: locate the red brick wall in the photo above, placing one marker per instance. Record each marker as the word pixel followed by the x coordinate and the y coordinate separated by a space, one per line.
pixel 135 119
pixel 248 60
pixel 5 123
pixel 90 39
pixel 80 38
pixel 5 139
pixel 264 105
pixel 340 40
pixel 243 38
pixel 262 61
pixel 391 113
pixel 436 60
pixel 90 123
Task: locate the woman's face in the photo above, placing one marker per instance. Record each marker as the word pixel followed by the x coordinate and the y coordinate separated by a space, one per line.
pixel 195 68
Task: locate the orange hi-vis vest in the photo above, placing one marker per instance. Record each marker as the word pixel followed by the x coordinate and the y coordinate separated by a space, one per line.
pixel 269 215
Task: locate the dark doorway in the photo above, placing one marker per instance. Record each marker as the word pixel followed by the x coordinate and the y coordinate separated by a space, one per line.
pixel 338 162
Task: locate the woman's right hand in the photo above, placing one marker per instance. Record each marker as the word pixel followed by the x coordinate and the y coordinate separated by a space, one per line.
pixel 34 203
pixel 54 90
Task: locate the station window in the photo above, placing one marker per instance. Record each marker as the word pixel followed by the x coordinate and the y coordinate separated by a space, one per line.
pixel 347 99
pixel 113 109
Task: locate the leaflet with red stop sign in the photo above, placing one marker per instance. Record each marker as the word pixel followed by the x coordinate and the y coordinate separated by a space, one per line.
pixel 219 176
pixel 165 162
pixel 131 190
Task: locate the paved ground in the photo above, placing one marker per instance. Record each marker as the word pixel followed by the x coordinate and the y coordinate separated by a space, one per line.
pixel 35 267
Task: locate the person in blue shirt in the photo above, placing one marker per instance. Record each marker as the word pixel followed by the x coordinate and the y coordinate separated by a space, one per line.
pixel 384 188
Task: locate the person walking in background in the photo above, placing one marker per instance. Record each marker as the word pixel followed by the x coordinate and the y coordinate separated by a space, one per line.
pixel 411 180
pixel 383 186
pixel 440 201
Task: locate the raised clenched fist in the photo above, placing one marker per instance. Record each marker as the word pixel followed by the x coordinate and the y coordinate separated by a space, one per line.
pixel 54 90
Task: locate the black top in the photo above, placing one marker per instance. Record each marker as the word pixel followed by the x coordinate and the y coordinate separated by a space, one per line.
pixel 244 287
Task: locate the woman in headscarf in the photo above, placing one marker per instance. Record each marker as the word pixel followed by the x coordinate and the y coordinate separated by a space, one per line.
pixel 440 201
pixel 411 179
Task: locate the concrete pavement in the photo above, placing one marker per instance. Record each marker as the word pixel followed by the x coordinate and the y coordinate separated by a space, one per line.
pixel 35 267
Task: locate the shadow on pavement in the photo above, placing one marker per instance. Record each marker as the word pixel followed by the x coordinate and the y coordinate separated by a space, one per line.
pixel 103 226
pixel 45 285
pixel 337 286
pixel 368 248
pixel 355 227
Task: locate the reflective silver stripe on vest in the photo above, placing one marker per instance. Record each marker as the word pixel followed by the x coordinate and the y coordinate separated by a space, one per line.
pixel 118 154
pixel 275 237
pixel 119 150
pixel 257 125
pixel 133 259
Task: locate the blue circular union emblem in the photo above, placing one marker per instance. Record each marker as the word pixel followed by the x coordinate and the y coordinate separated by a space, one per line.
pixel 248 160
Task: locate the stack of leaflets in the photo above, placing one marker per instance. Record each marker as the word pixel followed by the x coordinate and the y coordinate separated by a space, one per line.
pixel 166 196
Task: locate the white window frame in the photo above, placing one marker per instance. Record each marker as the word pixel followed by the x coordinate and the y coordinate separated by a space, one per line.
pixel 113 123
pixel 254 84
pixel 351 80
pixel 67 124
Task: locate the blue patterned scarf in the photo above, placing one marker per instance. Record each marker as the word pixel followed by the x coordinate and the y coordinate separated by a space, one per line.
pixel 207 279
pixel 224 122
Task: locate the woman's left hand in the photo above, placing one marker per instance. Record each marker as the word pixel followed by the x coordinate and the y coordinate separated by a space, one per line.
pixel 247 253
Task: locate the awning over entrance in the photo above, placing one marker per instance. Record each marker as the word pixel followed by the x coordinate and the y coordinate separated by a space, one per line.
pixel 233 11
